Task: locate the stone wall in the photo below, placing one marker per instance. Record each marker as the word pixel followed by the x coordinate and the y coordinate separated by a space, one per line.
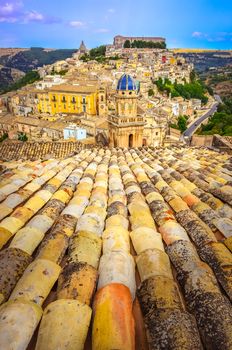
pixel 202 140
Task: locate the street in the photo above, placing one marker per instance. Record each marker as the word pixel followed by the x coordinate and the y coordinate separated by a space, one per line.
pixel 190 131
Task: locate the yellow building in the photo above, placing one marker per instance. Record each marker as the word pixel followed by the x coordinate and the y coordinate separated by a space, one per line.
pixel 172 60
pixel 72 99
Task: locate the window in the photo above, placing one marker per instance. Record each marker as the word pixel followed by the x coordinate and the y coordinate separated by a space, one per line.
pixel 73 100
pixel 84 100
pixel 64 106
pixel 102 98
pixel 63 99
pixel 157 133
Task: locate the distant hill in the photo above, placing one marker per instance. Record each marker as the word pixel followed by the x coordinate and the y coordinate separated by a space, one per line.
pixel 8 76
pixel 23 61
pixel 206 60
pixel 11 51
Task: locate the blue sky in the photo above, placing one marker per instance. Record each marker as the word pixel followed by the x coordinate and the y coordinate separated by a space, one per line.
pixel 64 23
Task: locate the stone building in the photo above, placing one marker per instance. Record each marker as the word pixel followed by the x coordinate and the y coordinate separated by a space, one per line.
pixel 82 49
pixel 119 40
pixel 73 99
pixel 126 127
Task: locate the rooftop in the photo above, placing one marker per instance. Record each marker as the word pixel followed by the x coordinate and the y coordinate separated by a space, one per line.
pixel 73 88
pixel 126 82
pixel 135 238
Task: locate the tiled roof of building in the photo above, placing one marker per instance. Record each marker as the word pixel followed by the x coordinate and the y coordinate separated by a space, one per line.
pixel 126 82
pixel 37 150
pixel 74 88
pixel 139 242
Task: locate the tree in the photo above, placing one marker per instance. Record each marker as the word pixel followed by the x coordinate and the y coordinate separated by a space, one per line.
pixel 61 72
pixel 141 44
pixel 85 57
pixel 22 137
pixel 187 90
pixel 182 123
pixel 193 76
pixel 220 123
pixel 210 90
pixel 98 51
pixel 28 78
pixel 150 92
pixel 3 137
pixel 127 44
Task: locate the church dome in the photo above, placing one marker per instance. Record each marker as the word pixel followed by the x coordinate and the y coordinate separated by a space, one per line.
pixel 126 83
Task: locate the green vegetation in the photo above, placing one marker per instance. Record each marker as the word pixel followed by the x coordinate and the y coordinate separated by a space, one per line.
pixel 151 92
pixel 28 78
pixel 193 76
pixel 195 89
pixel 27 61
pixel 4 137
pixel 221 122
pixel 35 57
pixel 221 75
pixel 140 44
pixel 22 137
pixel 85 57
pixel 62 72
pixel 97 54
pixel 127 44
pixel 219 81
pixel 181 123
pixel 114 58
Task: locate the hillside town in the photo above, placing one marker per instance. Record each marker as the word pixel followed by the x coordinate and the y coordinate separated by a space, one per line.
pixel 115 102
pixel 115 216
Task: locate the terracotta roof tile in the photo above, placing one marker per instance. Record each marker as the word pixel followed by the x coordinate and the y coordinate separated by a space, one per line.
pixel 116 228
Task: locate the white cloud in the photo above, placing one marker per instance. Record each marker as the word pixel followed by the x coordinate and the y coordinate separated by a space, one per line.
pixel 10 11
pixel 34 16
pixel 102 30
pixel 215 37
pixel 111 10
pixel 198 35
pixel 77 24
pixel 13 11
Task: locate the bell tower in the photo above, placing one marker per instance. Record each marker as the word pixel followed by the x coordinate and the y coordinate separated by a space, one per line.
pixel 102 105
pixel 126 127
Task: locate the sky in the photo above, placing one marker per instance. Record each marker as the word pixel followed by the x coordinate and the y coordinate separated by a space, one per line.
pixel 64 23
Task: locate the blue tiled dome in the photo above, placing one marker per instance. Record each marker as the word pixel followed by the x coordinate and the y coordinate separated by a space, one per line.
pixel 126 82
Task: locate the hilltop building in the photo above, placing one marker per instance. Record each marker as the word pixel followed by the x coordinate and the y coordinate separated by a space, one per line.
pixel 119 40
pixel 82 49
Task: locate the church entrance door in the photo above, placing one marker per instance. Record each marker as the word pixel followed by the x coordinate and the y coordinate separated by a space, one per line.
pixel 131 140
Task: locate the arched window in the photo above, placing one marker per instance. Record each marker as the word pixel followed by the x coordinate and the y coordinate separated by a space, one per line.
pixel 131 140
pixel 144 142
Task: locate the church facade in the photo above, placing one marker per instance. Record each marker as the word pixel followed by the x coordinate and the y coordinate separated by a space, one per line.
pixel 127 126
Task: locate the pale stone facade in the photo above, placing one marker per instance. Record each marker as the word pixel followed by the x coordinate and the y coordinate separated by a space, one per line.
pixel 126 127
